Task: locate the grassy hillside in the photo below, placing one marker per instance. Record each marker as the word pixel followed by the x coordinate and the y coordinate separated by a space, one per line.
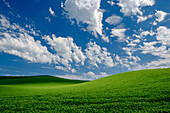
pixel 43 79
pixel 137 91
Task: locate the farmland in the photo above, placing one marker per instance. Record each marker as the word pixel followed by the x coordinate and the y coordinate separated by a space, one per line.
pixel 135 91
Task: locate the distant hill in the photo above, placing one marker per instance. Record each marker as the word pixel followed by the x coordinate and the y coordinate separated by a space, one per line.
pixel 36 80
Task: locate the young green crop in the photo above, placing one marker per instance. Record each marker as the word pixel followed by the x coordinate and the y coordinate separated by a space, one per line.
pixel 136 91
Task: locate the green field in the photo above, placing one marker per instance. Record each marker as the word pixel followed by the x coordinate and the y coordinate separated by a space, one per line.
pixel 136 91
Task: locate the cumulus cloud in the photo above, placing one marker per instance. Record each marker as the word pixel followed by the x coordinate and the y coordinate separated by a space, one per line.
pixel 85 76
pixel 133 7
pixel 149 47
pixel 105 38
pixel 66 69
pixel 129 61
pixel 25 47
pixel 18 41
pixel 143 33
pixel 98 55
pixel 143 18
pixel 5 24
pixel 21 43
pixel 163 35
pixel 92 76
pixel 90 73
pixel 73 70
pixel 113 20
pixel 133 42
pixel 61 68
pixel 51 12
pixel 72 77
pixel 111 3
pixel 154 23
pixel 161 51
pixel 62 4
pixel 120 33
pixel 160 63
pixel 160 15
pixel 86 12
pixel 159 48
pixel 66 50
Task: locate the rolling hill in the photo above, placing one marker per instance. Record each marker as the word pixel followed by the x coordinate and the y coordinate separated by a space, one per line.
pixel 136 91
pixel 36 80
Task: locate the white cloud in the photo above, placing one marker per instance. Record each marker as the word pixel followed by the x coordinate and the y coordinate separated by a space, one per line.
pixel 160 15
pixel 66 50
pixel 6 3
pixel 154 23
pixel 61 68
pixel 133 42
pixel 85 76
pixel 163 35
pixel 62 4
pixel 92 76
pixel 16 40
pixel 113 20
pixel 136 41
pixel 143 33
pixel 120 33
pixel 141 18
pixel 72 77
pixel 25 47
pixel 86 12
pixel 73 70
pixel 133 7
pixel 51 12
pixel 90 73
pixel 159 48
pixel 7 27
pixel 111 3
pixel 148 47
pixel 105 38
pixel 162 51
pixel 48 18
pixel 98 55
pixel 129 61
pixel 4 23
pixel 160 63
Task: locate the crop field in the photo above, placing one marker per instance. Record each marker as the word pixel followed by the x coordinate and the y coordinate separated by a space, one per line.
pixel 135 91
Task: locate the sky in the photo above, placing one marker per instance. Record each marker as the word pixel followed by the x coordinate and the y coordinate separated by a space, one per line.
pixel 83 39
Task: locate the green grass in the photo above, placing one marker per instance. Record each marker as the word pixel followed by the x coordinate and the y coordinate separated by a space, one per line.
pixel 136 91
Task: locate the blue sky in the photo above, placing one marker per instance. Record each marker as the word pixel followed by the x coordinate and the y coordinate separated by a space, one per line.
pixel 83 39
